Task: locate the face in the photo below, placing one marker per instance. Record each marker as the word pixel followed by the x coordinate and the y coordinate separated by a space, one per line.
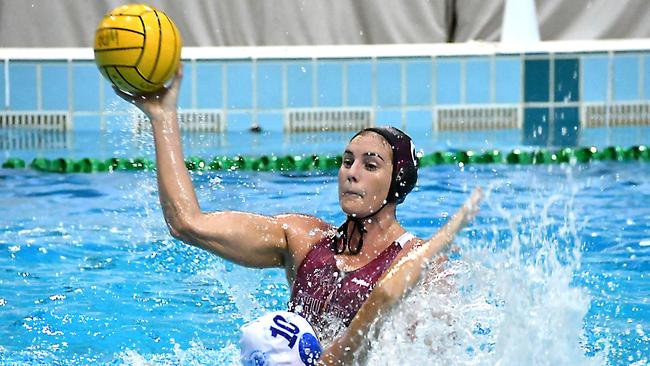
pixel 365 174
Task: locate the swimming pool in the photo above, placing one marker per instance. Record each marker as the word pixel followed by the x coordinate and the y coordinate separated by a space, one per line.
pixel 553 271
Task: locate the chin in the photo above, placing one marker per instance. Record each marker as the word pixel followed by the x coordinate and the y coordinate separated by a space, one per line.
pixel 358 209
pixel 350 208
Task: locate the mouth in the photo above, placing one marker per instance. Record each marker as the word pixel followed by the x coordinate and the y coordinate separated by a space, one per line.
pixel 352 194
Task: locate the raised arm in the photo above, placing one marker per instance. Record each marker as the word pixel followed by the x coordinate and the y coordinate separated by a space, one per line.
pixel 245 238
pixel 396 282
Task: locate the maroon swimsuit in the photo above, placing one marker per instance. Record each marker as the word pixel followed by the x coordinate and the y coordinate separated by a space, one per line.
pixel 322 290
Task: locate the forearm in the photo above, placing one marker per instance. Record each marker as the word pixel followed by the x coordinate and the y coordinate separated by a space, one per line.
pixel 445 236
pixel 350 345
pixel 176 191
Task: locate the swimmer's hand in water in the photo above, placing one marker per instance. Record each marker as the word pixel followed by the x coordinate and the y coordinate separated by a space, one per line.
pixel 159 105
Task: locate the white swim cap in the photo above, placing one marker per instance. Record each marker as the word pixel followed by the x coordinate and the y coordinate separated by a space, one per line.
pixel 279 338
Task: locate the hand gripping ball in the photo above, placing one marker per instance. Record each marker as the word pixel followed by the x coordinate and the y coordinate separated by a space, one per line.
pixel 137 48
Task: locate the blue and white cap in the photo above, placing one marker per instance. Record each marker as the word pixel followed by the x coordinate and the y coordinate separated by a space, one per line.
pixel 279 338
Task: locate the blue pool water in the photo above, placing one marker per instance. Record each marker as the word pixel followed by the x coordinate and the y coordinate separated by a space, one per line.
pixel 554 270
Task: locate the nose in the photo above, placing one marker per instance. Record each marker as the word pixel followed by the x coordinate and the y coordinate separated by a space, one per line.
pixel 352 173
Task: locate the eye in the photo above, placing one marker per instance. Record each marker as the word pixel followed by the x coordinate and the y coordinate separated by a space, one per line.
pixel 371 166
pixel 347 162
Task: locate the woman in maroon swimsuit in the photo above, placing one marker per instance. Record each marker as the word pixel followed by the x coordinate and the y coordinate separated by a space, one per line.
pixel 332 271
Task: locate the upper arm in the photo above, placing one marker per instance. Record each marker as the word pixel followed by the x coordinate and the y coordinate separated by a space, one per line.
pixel 249 239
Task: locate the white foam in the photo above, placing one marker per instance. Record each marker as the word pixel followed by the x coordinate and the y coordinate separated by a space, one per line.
pixel 502 303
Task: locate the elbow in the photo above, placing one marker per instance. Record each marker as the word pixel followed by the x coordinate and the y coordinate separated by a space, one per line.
pixel 180 229
pixel 176 232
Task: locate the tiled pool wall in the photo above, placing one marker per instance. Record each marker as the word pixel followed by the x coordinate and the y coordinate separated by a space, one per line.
pixel 550 92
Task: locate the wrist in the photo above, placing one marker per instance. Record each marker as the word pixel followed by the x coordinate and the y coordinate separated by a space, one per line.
pixel 163 118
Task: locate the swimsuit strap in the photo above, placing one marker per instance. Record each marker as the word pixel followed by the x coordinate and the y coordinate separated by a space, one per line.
pixel 404 238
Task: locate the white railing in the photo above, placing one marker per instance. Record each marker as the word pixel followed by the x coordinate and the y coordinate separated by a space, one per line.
pixel 618 114
pixel 50 120
pixel 194 121
pixel 322 120
pixel 485 117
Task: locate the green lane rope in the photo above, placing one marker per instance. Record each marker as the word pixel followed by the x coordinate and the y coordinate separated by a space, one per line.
pixel 305 163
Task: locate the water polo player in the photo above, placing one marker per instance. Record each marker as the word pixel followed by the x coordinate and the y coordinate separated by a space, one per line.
pixel 331 270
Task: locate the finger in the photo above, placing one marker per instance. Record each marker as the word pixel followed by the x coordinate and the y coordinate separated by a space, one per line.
pixel 119 93
pixel 178 77
pixel 126 96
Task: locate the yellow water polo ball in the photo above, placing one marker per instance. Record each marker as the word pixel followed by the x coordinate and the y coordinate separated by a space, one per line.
pixel 137 48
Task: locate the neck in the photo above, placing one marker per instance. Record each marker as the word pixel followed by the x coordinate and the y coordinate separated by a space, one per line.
pixel 379 226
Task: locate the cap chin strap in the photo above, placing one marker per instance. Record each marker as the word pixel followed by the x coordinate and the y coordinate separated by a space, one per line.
pixel 343 237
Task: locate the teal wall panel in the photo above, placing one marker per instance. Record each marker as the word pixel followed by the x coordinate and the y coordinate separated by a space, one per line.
pixel 269 85
pixel 419 76
pixel 240 85
pixel 2 84
pixel 507 80
pixel 209 89
pixel 419 124
pixel 54 86
pixel 536 81
pixel 566 80
pixel 22 86
pixel 595 78
pixel 477 81
pixel 566 126
pixel 389 84
pixel 330 84
pixel 359 84
pixel 388 118
pixel 299 85
pixel 85 85
pixel 448 81
pixel 626 78
pixel 536 127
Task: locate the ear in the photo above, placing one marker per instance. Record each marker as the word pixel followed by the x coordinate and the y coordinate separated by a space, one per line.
pixel 414 155
pixel 399 178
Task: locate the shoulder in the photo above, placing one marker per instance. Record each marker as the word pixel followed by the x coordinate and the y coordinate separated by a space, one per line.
pixel 302 232
pixel 409 247
pixel 301 224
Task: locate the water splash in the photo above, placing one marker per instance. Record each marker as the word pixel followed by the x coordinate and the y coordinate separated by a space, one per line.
pixel 194 355
pixel 508 300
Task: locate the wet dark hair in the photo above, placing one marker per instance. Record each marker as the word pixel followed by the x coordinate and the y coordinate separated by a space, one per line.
pixel 404 178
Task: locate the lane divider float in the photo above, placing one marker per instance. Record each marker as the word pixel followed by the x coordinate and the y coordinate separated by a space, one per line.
pixel 330 162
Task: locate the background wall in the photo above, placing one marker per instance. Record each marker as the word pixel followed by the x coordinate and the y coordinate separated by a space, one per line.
pixel 71 23
pixel 551 97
